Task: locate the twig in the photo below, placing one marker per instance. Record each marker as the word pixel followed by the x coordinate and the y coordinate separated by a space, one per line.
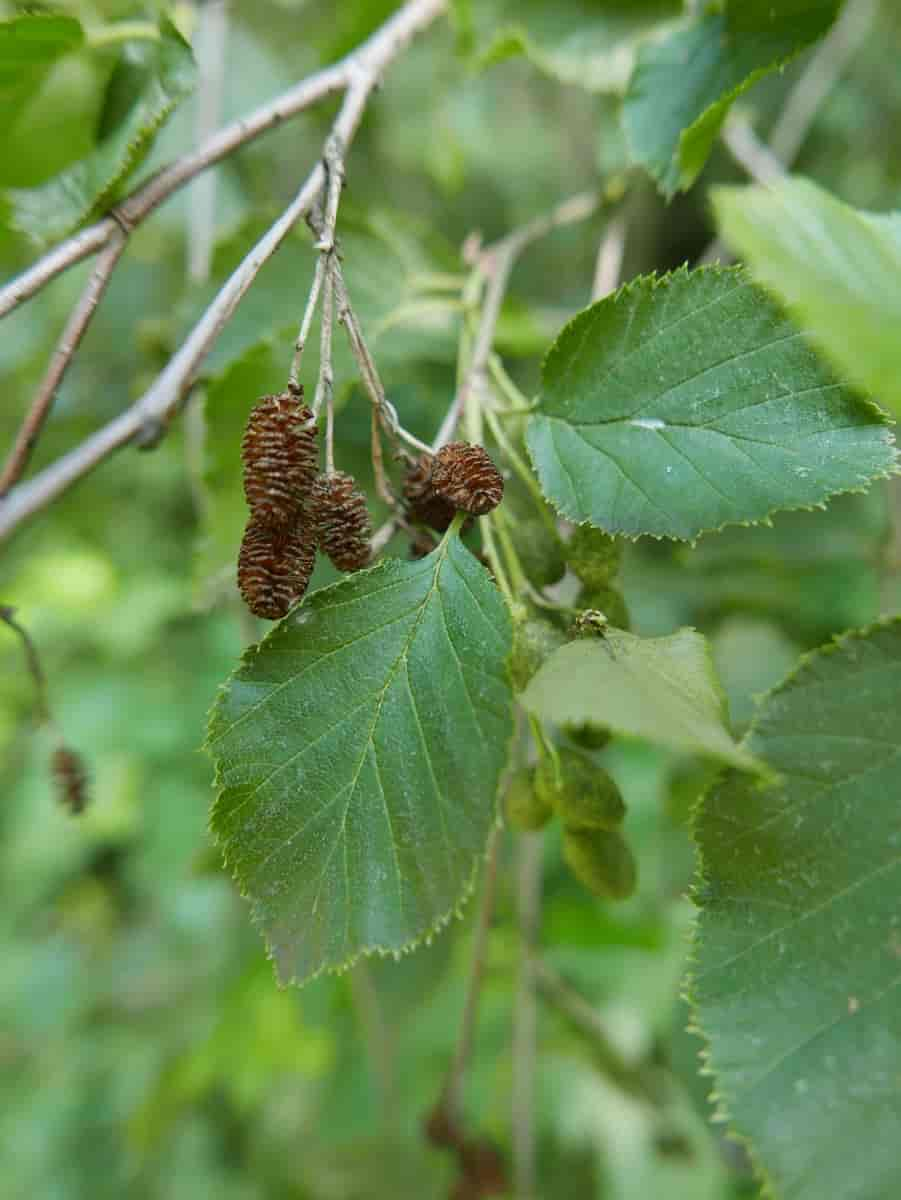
pixel 610 258
pixel 42 704
pixel 70 340
pixel 496 263
pixel 825 68
pixel 635 1080
pixel 324 387
pixel 750 152
pixel 306 323
pixel 823 71
pixel 147 419
pixel 450 1101
pixel 525 1017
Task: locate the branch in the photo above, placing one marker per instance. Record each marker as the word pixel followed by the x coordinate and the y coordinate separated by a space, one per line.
pixel 148 418
pixel 610 258
pixel 823 71
pixel 68 343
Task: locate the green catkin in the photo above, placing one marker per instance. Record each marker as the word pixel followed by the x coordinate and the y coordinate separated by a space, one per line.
pixel 582 793
pixel 593 556
pixel 533 640
pixel 523 808
pixel 602 861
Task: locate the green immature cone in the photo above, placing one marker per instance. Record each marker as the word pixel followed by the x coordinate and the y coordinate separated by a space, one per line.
pixel 524 808
pixel 609 601
pixel 540 552
pixel 602 861
pixel 533 640
pixel 582 793
pixel 593 556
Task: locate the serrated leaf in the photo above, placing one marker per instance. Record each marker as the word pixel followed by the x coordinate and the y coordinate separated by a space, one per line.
pixel 29 46
pixel 690 402
pixel 662 689
pixel 358 750
pixel 836 268
pixel 160 75
pixel 683 86
pixel 798 942
pixel 589 44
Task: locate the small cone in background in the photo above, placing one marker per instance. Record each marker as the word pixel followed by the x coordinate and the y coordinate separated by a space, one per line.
pixel 424 505
pixel 341 519
pixel 464 475
pixel 593 556
pixel 71 778
pixel 274 567
pixel 280 454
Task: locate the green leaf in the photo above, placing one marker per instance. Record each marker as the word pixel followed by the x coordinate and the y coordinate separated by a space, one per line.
pixel 358 750
pixel 836 268
pixel 798 943
pixel 150 81
pixel 682 87
pixel 580 42
pixel 29 46
pixel 686 403
pixel 662 689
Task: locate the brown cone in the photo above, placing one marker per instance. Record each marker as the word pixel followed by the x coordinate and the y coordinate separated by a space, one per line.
pixel 464 476
pixel 341 519
pixel 280 454
pixel 424 505
pixel 71 778
pixel 274 567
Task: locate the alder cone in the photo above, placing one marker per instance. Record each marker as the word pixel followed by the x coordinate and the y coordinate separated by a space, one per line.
pixel 341 519
pixel 274 566
pixel 424 505
pixel 280 454
pixel 71 778
pixel 464 475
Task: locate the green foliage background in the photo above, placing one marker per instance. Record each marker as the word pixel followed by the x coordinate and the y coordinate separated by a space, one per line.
pixel 145 1049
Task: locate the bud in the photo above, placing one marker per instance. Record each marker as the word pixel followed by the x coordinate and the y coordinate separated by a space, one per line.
pixel 464 475
pixel 602 861
pixel 524 809
pixel 341 519
pixel 281 458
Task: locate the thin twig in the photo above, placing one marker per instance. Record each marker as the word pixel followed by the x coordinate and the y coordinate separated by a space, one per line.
pixel 69 341
pixel 325 381
pixel 525 1016
pixel 451 1093
pixel 822 73
pixel 42 704
pixel 148 418
pixel 750 152
pixel 306 323
pixel 635 1080
pixel 496 263
pixel 610 258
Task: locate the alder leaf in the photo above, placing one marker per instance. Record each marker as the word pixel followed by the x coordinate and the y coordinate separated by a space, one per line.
pixel 662 689
pixel 683 86
pixel 798 942
pixel 682 404
pixel 149 82
pixel 836 268
pixel 358 750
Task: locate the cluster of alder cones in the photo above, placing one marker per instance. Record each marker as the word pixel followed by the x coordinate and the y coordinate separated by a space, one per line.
pixel 295 510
